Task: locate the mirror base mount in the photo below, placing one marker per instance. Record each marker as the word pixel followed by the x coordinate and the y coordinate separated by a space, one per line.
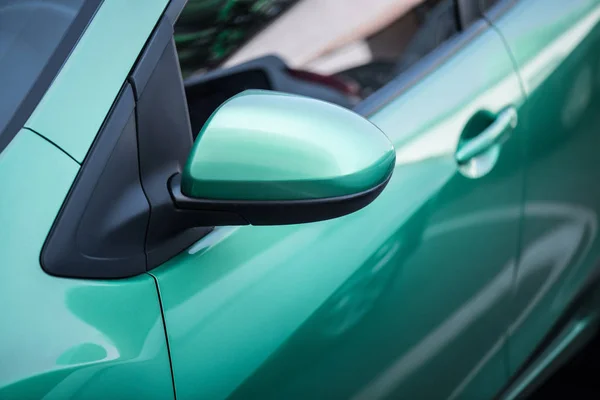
pixel 282 212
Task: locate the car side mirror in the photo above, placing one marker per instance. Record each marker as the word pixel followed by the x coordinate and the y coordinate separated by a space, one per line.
pixel 269 158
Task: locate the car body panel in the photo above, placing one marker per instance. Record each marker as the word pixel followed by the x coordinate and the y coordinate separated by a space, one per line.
pixel 376 303
pixel 64 338
pixel 555 46
pixel 414 296
pixel 70 116
pixel 569 343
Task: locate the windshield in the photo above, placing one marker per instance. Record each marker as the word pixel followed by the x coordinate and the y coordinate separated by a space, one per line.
pixel 30 33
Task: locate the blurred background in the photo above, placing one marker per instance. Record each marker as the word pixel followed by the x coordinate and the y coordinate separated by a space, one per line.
pixel 363 42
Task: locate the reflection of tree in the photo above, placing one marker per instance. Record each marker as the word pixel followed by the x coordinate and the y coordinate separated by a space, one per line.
pixel 210 31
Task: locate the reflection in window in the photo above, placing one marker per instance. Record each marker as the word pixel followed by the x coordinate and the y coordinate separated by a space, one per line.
pixel 487 4
pixel 361 43
pixel 30 32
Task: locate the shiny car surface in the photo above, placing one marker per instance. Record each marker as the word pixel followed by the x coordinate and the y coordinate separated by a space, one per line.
pixel 469 273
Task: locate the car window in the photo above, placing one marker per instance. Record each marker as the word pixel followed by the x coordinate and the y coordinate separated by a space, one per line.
pixel 30 32
pixel 362 44
pixel 487 4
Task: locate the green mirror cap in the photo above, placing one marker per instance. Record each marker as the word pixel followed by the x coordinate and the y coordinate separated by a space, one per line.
pixel 270 146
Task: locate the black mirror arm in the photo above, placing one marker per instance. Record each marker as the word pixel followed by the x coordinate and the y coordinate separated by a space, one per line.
pixel 202 212
pixel 281 212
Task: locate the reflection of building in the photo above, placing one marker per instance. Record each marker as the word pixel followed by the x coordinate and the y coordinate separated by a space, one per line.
pixel 329 35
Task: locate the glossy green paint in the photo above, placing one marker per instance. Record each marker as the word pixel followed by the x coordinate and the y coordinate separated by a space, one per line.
pixel 414 287
pixel 74 107
pixel 555 45
pixel 414 296
pixel 261 145
pixel 67 338
pixel 567 345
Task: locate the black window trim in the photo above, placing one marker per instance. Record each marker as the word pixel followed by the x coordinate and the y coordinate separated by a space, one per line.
pixel 422 68
pixel 468 12
pixel 166 230
pixel 498 9
pixel 50 71
pixel 471 25
pixel 174 9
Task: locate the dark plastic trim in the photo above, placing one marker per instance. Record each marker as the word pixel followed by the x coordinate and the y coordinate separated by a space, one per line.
pixel 468 12
pixel 52 68
pixel 101 228
pixel 589 290
pixel 498 9
pixel 164 144
pixel 420 70
pixel 118 219
pixel 147 62
pixel 282 212
pixel 174 9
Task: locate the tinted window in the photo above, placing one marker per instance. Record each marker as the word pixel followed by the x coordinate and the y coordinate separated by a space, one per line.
pixel 487 4
pixel 30 32
pixel 361 43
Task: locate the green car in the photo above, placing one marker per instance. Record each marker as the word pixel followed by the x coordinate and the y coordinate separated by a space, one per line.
pixel 400 200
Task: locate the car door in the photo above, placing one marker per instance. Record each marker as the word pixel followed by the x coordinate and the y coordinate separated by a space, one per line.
pixel 555 45
pixel 407 298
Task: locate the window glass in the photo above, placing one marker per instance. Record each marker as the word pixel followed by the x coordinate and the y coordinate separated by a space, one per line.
pixel 353 46
pixel 487 4
pixel 30 32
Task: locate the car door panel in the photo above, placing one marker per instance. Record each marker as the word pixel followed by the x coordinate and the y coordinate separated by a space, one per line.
pixel 373 304
pixel 554 45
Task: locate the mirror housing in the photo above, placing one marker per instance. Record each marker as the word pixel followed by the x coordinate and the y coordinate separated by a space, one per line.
pixel 269 158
